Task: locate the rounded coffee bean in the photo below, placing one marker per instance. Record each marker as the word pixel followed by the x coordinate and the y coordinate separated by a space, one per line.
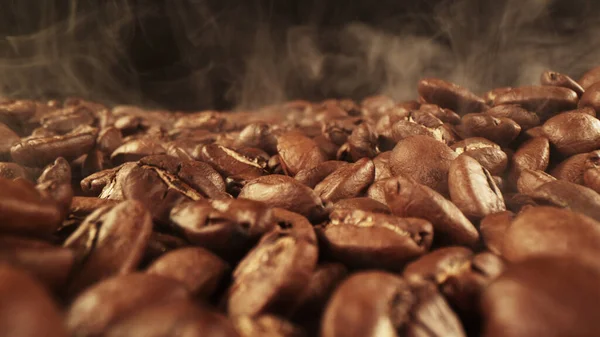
pixel 530 180
pixel 562 193
pixel 573 133
pixel 314 175
pixel 298 152
pixel 533 155
pixel 364 204
pixel 347 182
pixel 499 130
pixel 526 119
pixel 493 228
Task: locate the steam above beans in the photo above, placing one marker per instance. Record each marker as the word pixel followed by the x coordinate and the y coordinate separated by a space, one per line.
pixel 457 214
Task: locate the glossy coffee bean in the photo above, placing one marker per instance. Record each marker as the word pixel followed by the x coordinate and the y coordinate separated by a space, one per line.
pixel 347 182
pixel 562 193
pixel 314 175
pixel 499 130
pixel 298 152
pixel 553 78
pixel 364 204
pixel 450 95
pixel 543 100
pixel 591 98
pixel 533 155
pixel 530 180
pixel 560 130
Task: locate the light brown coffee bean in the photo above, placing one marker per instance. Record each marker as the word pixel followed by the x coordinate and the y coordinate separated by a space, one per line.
pixel 298 152
pixel 364 204
pixel 437 266
pixel 229 162
pixel 472 188
pixel 499 130
pixel 591 98
pixel 314 175
pixel 493 228
pixel 347 182
pixel 492 159
pixel 7 139
pixel 530 180
pixel 526 119
pixel 322 284
pixel 553 78
pixel 533 155
pixel 573 133
pixel 572 168
pixel 450 95
pixel 109 139
pixel 13 171
pixel 543 100
pixel 266 325
pixel 562 193
pixel 135 150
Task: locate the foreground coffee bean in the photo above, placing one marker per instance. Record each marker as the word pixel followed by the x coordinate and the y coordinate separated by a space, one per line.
pixel 531 299
pixel 298 152
pixel 561 193
pixel 26 309
pixel 312 176
pixel 559 130
pixel 347 181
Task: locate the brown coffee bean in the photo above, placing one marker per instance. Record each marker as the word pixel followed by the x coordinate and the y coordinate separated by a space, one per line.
pixel 491 95
pixel 109 139
pixel 450 95
pixel 328 148
pixel 537 131
pixel 573 133
pixel 532 299
pixel 530 180
pixel 59 171
pixel 13 171
pixel 347 181
pixel 499 130
pixel 543 100
pixel 591 98
pixel 404 129
pixel 229 162
pixel 533 155
pixel 7 139
pixel 386 304
pixel 553 78
pixel 321 286
pixel 589 78
pixel 64 120
pixel 377 192
pixel 572 168
pixel 298 152
pixel 95 183
pixel 492 229
pixel 284 192
pixel 135 150
pixel 314 175
pixel 525 119
pixel 444 115
pixel 492 159
pixel 26 309
pixel 180 317
pixel 472 188
pixel 197 268
pixel 407 198
pixel 16 113
pixel 110 241
pixel 24 210
pixel 84 206
pixel 382 166
pixel 551 231
pixel 516 202
pixel 437 266
pixel 260 135
pixel 363 143
pixel 161 243
pixel 423 159
pixel 39 152
pixel 362 204
pixel 338 130
pixel 105 302
pixel 373 240
pixel 562 193
pixel 272 277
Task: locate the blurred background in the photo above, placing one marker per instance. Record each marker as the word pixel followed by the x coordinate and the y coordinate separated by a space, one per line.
pixel 219 54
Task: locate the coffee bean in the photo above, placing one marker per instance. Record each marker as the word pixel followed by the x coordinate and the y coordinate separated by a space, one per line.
pixel 444 115
pixel 229 162
pixel 562 193
pixel 589 78
pixel 553 78
pixel 7 139
pixel 543 100
pixel 377 191
pixel 363 204
pixel 347 181
pixel 197 268
pixel 423 159
pixel 314 175
pixel 530 180
pixel 298 152
pixel 109 139
pixel 531 299
pixel 64 120
pixel 26 309
pixel 472 188
pixel 492 229
pixel 59 171
pixel 102 304
pixel 450 95
pixel 260 135
pixel 404 129
pixel 407 198
pixel 266 325
pixel 499 130
pixel 437 266
pixel 526 119
pixel 363 142
pixel 323 282
pixel 533 155
pixel 13 171
pixel 560 130
pixel 572 168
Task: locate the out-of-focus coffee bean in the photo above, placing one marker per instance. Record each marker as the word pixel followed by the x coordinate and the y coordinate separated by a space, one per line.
pixel 284 192
pixel 450 95
pixel 362 142
pixel 26 309
pixel 13 171
pixel 404 129
pixel 313 176
pixel 135 150
pixel 525 119
pixel 492 229
pixel 564 194
pixel 530 180
pixel 39 152
pixel 229 162
pixel 573 133
pixel 533 155
pixel 373 240
pixel 590 77
pixel 94 183
pixel 272 277
pixel 64 120
pixel 516 202
pixel 328 148
pixel 382 166
pixel 321 286
pixel 572 168
pixel 491 95
pixel 445 115
pixel 259 135
pixel 7 139
pixel 438 265
pixel 109 139
pixel 266 325
pixel 16 113
pixel 591 98
pixel 423 159
pixel 553 78
pixel 532 299
pixel 94 161
pixel 499 130
pixel 161 243
pixel 543 100
pixel 197 268
pixel 110 300
pixel 377 192
pixel 298 152
pixel 338 130
pixel 59 171
pixel 362 204
pixel 347 181
pixel 551 231
pixel 84 206
pixel 472 188
pixel 408 198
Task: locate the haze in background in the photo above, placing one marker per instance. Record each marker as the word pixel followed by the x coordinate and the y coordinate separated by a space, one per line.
pixel 203 54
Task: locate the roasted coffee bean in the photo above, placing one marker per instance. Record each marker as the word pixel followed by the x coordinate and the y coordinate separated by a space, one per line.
pixel 94 161
pixel 543 100
pixel 26 309
pixel 572 168
pixel 423 159
pixel 472 188
pixel 444 115
pixel 363 204
pixel 209 120
pixel 298 152
pixel 530 180
pixel 197 268
pixel 284 192
pixel 388 306
pixel 24 210
pixel 16 113
pixel 437 266
pixel 102 304
pixel 499 130
pixel 59 171
pixel 426 119
pixel 84 206
pixel 272 277
pixel 95 183
pixel 362 143
pixel 328 148
pixel 377 191
pixel 266 325
pixel 313 176
pixel 589 78
pixel 532 299
pixel 516 202
pixel 109 139
pixel 373 240
pixel 591 98
pixel 492 229
pixel 338 130
pixel 163 320
pixel 229 162
pixel 525 119
pixel 551 231
pixel 450 95
pixel 7 139
pixel 404 129
pixel 64 120
pixel 553 78
pixel 533 155
pixel 560 130
pixel 347 181
pixel 13 171
pixel 585 110
pixel 321 286
pixel 564 194
pixel 259 135
pixel 382 166
pixel 135 150
pixel 492 159
pixel 408 198
pixel 39 152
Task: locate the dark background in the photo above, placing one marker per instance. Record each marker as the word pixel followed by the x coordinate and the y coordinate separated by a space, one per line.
pixel 203 54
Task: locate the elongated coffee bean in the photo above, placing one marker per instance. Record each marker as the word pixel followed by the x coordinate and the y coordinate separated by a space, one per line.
pixel 544 100
pixel 573 133
pixel 298 152
pixel 347 182
pixel 450 95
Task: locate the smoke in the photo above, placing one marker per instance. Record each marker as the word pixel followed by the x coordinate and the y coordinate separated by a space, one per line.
pixel 202 54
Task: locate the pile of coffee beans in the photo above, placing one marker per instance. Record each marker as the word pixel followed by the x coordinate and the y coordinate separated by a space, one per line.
pixel 453 215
